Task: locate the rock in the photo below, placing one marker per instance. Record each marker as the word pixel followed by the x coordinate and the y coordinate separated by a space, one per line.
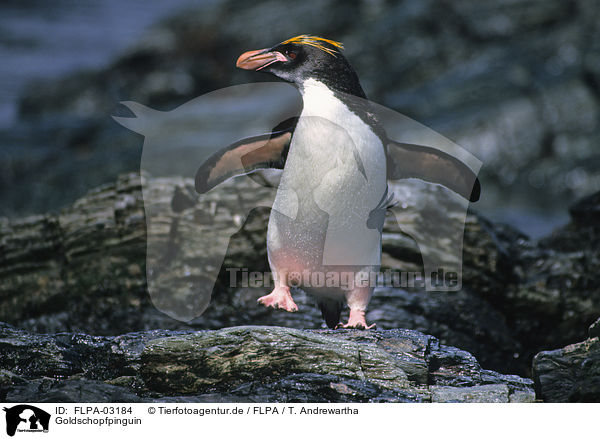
pixel 594 330
pixel 84 270
pixel 559 286
pixel 486 393
pixel 248 363
pixel 232 356
pixel 570 374
pixel 75 390
pixel 587 210
pixel 460 318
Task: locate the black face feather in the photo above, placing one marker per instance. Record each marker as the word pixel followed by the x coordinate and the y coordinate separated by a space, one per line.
pixel 306 62
pixel 326 65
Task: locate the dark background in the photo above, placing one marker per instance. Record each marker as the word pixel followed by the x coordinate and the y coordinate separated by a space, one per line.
pixel 514 82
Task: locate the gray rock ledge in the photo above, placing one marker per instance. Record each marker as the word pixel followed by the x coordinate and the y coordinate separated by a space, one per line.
pixel 247 364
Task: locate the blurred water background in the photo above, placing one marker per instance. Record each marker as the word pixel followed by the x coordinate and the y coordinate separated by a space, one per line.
pixel 516 82
pixel 44 40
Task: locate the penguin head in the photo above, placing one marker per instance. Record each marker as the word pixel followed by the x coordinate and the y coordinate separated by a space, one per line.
pixel 305 57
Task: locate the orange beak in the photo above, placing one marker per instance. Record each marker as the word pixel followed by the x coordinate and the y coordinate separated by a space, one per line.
pixel 258 59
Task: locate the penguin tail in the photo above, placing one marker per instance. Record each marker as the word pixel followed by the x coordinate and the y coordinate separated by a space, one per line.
pixel 331 310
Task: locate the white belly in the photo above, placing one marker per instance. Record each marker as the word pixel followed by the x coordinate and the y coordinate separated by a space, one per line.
pixel 334 177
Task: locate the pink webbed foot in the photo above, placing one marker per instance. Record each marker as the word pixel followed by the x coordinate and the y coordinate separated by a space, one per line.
pixel 356 321
pixel 280 298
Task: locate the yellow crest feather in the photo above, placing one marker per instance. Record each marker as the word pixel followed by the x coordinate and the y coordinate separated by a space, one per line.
pixel 317 42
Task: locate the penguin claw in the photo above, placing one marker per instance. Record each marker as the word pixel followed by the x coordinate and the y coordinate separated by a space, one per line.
pixel 356 321
pixel 279 298
pixel 358 325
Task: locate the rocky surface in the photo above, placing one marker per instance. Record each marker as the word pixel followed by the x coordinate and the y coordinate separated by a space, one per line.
pixel 247 363
pixel 517 83
pixel 594 330
pixel 570 374
pixel 84 270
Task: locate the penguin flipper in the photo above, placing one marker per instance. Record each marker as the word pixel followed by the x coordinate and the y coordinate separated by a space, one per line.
pixel 265 151
pixel 406 160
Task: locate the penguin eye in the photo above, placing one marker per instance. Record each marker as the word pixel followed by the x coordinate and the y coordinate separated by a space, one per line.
pixel 291 55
